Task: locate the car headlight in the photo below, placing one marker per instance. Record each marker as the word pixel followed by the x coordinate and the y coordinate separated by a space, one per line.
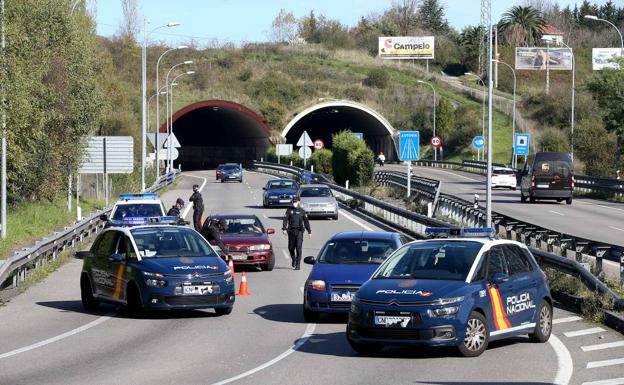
pixel 355 310
pixel 149 274
pixel 316 284
pixel 260 247
pixel 228 277
pixel 155 282
pixel 444 311
pixel 273 196
pixel 448 301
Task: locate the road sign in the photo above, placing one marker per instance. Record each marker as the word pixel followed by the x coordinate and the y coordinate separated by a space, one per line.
pixel 283 149
pixel 436 141
pixel 318 144
pixel 409 145
pixel 358 135
pixel 478 142
pixel 108 154
pixel 304 140
pixel 174 141
pixel 521 144
pixel 162 137
pixel 305 152
pixel 163 155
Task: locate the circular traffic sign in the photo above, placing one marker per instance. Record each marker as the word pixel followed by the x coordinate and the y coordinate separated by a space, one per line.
pixel 318 144
pixel 436 141
pixel 305 152
pixel 478 142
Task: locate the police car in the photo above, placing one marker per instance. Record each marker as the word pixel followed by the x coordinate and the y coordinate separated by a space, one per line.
pixel 462 292
pixel 155 265
pixel 134 205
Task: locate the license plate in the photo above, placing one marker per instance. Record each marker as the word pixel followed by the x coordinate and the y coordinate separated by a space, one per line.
pixel 197 289
pixel 239 257
pixel 393 320
pixel 284 201
pixel 543 186
pixel 346 296
pixel 232 177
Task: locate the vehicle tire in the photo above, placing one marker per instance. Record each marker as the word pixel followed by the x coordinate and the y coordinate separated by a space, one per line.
pixel 543 326
pixel 477 336
pixel 514 188
pixel 133 296
pixel 86 294
pixel 568 201
pixel 222 180
pixel 223 310
pixel 269 266
pixel 363 349
pixel 335 217
pixel 310 316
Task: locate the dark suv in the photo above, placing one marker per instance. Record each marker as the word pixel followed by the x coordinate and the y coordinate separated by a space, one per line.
pixel 547 175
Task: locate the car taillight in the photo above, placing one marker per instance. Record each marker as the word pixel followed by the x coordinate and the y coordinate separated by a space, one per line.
pixel 572 183
pixel 513 176
pixel 494 174
pixel 533 181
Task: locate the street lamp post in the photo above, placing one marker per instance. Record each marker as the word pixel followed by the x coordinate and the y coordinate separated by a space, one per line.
pixel 482 108
pixel 592 17
pixel 435 150
pixel 158 104
pixel 144 93
pixel 513 119
pixel 3 188
pixel 170 147
pixel 187 62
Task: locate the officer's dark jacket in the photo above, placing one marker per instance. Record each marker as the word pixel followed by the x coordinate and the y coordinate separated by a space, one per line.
pixel 296 219
pixel 198 201
pixel 174 212
pixel 212 235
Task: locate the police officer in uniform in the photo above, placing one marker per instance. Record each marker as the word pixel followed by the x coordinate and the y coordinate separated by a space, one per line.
pixel 198 207
pixel 295 221
pixel 212 231
pixel 175 210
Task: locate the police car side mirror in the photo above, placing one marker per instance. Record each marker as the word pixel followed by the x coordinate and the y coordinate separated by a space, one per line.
pixel 309 260
pixel 82 254
pixel 116 258
pixel 270 231
pixel 499 278
pixel 103 217
pixel 264 188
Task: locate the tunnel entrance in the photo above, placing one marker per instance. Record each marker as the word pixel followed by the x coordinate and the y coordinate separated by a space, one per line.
pixel 330 117
pixel 212 132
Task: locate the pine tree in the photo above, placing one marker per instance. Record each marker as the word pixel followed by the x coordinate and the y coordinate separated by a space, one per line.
pixel 431 17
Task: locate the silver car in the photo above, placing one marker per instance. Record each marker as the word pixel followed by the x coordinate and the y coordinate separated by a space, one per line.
pixel 318 201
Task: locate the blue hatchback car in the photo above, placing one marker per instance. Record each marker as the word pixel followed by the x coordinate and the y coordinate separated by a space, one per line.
pixel 461 292
pixel 345 262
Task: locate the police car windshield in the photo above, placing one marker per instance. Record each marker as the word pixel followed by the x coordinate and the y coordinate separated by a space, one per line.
pixel 243 226
pixel 137 210
pixel 443 259
pixel 356 251
pixel 282 184
pixel 315 192
pixel 163 242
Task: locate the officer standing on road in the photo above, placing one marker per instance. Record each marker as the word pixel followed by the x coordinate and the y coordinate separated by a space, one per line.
pixel 295 221
pixel 175 210
pixel 198 207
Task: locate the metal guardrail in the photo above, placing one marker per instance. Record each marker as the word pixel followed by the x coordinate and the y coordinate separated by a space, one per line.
pixel 14 270
pixel 464 212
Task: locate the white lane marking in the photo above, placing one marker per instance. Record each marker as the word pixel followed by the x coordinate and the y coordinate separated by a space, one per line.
pixel 566 319
pixel 613 381
pixel 265 216
pixel 603 206
pixel 70 333
pixel 600 364
pixel 584 332
pixel 565 365
pixel 285 254
pixel 349 217
pixel 188 208
pixel 461 176
pixel 616 228
pixel 298 344
pixel 556 212
pixel 607 345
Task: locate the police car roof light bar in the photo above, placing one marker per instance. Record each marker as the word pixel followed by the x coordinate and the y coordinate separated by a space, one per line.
pixel 139 221
pixel 128 196
pixel 479 231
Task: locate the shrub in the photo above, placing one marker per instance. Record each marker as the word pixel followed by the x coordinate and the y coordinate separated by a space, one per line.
pixel 322 161
pixel 596 147
pixel 553 139
pixel 355 93
pixel 277 88
pixel 377 77
pixel 352 159
pixel 245 75
pixel 273 113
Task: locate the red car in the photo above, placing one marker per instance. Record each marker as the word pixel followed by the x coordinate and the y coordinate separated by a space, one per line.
pixel 218 172
pixel 247 241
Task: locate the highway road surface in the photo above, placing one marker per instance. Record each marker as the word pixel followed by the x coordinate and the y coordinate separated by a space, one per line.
pixel 47 338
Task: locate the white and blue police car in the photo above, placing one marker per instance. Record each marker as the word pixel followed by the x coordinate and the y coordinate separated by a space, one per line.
pixel 459 291
pixel 144 205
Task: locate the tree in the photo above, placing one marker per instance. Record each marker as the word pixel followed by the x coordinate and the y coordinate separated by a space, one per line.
pixel 404 14
pixel 554 140
pixel 522 25
pixel 431 14
pixel 284 27
pixel 607 87
pixel 308 28
pixel 130 24
pixel 596 147
pixel 445 118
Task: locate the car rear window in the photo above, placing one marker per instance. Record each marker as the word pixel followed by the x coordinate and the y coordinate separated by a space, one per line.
pixel 137 210
pixel 552 168
pixel 356 251
pixel 503 171
pixel 312 192
pixel 282 184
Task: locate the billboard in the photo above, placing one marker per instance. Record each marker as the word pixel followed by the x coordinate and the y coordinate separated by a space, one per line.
pixel 407 47
pixel 535 58
pixel 603 58
pixel 110 154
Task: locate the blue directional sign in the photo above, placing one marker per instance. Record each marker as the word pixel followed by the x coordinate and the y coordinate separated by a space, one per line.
pixel 521 144
pixel 478 142
pixel 409 145
pixel 358 135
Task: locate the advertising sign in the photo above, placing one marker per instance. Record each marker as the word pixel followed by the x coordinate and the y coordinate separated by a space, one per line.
pixel 407 47
pixel 535 58
pixel 108 154
pixel 604 58
pixel 283 149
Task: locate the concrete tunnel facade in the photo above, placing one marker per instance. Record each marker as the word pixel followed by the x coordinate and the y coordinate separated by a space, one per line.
pixel 329 117
pixel 211 132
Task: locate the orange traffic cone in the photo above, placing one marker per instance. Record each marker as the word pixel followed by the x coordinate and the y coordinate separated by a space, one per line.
pixel 231 266
pixel 243 286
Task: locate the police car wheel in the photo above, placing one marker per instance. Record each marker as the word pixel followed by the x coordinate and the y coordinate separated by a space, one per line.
pixel 223 310
pixel 135 306
pixel 477 336
pixel 86 294
pixel 364 349
pixel 543 326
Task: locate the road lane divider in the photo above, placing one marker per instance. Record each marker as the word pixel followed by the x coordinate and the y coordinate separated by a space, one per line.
pixel 584 332
pixel 565 365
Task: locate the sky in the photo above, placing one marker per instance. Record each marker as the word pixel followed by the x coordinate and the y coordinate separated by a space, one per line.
pixel 250 20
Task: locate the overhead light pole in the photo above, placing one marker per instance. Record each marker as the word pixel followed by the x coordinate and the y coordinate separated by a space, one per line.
pixel 3 204
pixel 187 62
pixel 170 147
pixel 435 150
pixel 482 108
pixel 144 93
pixel 158 104
pixel 592 17
pixel 488 210
pixel 514 162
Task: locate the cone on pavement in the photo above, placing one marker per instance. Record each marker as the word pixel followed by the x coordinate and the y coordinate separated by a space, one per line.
pixel 231 266
pixel 242 290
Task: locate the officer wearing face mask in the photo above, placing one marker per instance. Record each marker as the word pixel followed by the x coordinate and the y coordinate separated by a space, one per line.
pixel 295 222
pixel 198 207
